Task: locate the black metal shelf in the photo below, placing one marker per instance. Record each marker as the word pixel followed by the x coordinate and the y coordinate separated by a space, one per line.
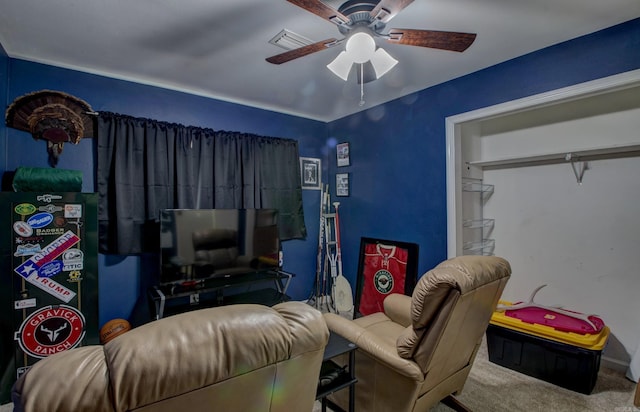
pixel 176 298
pixel 338 345
pixel 341 382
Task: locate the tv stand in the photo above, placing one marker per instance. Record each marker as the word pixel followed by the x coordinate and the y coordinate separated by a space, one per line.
pixel 267 287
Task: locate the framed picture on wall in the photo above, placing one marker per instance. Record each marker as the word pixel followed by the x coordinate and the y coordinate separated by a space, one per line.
pixel 384 267
pixel 342 153
pixel 310 173
pixel 342 184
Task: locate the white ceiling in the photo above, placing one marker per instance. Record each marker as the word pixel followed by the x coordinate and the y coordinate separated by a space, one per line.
pixel 217 48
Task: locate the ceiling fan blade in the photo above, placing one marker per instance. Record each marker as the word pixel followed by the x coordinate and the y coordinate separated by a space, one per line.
pixel 320 9
pixel 387 9
pixel 444 40
pixel 302 51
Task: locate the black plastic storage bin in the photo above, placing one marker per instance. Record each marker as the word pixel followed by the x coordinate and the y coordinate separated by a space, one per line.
pixel 562 364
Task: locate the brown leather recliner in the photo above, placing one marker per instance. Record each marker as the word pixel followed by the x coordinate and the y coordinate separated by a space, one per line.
pixel 230 358
pixel 421 349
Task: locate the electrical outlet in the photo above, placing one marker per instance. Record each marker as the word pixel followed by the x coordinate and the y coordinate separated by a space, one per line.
pixel 194 298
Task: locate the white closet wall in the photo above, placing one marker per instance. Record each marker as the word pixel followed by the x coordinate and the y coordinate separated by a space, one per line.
pixel 581 240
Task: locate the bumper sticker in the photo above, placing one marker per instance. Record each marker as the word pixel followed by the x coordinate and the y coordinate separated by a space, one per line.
pixel 29 269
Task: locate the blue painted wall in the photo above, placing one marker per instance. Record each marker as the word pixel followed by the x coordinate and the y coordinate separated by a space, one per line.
pixel 397 149
pixel 4 82
pixel 124 280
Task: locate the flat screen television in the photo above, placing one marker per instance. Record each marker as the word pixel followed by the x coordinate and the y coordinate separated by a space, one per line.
pixel 200 244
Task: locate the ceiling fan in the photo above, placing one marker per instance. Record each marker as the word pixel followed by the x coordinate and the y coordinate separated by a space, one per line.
pixel 360 21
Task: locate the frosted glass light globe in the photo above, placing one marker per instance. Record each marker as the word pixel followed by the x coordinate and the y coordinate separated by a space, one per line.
pixel 360 47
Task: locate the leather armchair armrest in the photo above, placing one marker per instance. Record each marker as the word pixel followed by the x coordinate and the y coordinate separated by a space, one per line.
pixel 373 346
pixel 398 308
pixel 344 327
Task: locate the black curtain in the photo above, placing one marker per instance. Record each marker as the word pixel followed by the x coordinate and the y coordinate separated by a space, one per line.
pixel 146 165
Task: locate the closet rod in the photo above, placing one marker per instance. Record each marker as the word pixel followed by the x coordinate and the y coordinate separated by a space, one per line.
pixel 613 152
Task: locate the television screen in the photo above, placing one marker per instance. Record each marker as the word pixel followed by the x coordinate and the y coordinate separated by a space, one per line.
pixel 205 243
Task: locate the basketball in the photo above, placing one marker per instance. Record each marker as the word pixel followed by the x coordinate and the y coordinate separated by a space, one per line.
pixel 113 328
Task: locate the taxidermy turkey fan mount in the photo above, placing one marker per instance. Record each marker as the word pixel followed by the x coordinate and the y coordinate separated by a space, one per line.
pixel 371 17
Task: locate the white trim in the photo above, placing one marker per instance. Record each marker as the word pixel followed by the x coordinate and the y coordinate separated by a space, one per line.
pixel 454 182
pixel 615 364
pixel 453 134
pixel 606 84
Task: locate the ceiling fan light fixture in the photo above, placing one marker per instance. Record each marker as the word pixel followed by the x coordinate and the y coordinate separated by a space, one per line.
pixel 382 62
pixel 361 47
pixel 341 65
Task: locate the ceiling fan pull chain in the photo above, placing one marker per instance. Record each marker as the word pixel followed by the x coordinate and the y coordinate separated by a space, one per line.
pixel 361 85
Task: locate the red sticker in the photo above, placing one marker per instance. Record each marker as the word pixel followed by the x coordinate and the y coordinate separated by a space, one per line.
pixel 50 330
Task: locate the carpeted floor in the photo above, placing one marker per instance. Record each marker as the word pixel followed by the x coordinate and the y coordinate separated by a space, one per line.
pixel 492 388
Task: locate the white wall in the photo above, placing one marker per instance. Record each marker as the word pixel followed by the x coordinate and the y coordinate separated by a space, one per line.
pixel 591 123
pixel 583 241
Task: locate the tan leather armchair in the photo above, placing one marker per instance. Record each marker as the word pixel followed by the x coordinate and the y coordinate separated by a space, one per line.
pixel 230 358
pixel 421 349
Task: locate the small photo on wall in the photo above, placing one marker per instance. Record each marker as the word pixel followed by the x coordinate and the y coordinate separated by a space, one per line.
pixel 342 151
pixel 310 173
pixel 342 184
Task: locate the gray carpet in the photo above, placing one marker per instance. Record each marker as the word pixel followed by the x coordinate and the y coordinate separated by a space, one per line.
pixel 492 388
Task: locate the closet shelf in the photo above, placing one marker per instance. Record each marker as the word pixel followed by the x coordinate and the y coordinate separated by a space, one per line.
pixel 478 223
pixel 477 187
pixel 562 157
pixel 484 247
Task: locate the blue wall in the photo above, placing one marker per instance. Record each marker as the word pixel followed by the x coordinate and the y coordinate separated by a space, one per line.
pixel 123 280
pixel 397 149
pixel 4 81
